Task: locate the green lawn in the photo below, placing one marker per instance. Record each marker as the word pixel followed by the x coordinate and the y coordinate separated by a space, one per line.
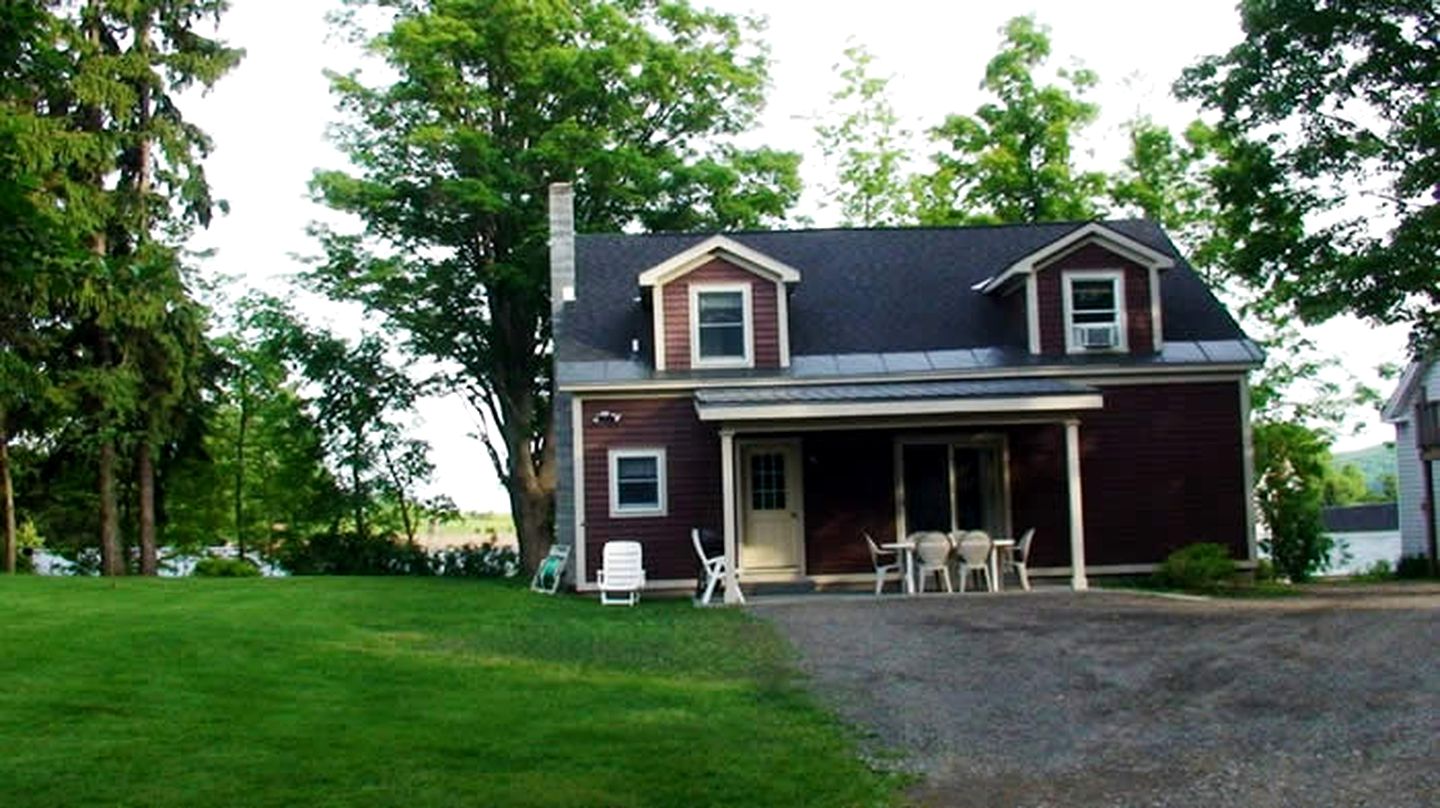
pixel 350 691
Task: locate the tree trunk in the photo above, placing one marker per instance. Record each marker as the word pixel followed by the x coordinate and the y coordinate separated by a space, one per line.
pixel 7 496
pixel 355 489
pixel 532 498
pixel 400 493
pixel 240 468
pixel 110 561
pixel 145 472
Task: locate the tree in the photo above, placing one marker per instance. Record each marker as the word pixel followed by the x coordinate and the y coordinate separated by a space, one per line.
pixel 355 395
pixel 630 100
pixel 870 148
pixel 1329 194
pixel 132 59
pixel 1292 460
pixel 1012 161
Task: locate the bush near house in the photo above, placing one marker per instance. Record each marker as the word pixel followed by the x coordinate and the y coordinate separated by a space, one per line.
pixel 1198 567
pixel 355 554
pixel 217 567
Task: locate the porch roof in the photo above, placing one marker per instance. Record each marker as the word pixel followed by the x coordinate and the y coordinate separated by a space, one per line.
pixel 894 398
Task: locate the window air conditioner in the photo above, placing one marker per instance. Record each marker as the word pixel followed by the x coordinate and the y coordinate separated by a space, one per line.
pixel 1104 335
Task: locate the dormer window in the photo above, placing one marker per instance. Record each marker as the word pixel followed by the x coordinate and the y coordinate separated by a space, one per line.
pixel 720 325
pixel 1095 311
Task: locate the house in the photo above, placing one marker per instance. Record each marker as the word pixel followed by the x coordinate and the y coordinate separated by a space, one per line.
pixel 1363 534
pixel 1414 409
pixel 791 389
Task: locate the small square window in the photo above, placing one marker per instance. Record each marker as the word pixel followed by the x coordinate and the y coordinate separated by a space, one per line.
pixel 637 482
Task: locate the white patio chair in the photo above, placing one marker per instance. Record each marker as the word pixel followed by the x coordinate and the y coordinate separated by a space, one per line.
pixel 974 550
pixel 886 563
pixel 1015 558
pixel 713 567
pixel 932 555
pixel 622 571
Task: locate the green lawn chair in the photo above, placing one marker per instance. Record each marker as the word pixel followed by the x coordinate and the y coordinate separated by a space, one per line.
pixel 551 569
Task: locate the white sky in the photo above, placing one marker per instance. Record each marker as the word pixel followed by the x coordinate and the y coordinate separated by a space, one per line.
pixel 268 121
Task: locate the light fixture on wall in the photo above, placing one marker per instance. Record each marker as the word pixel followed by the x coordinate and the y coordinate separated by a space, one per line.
pixel 605 417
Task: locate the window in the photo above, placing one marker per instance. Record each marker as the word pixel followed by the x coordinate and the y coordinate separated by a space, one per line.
pixel 1094 311
pixel 637 482
pixel 767 481
pixel 720 325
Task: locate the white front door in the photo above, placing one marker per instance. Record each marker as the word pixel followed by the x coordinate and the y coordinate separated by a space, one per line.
pixel 771 508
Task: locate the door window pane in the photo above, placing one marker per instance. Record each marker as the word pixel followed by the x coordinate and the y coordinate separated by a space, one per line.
pixel 767 481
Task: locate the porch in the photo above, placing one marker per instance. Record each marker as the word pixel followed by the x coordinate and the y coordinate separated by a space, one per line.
pixel 1113 476
pixel 804 472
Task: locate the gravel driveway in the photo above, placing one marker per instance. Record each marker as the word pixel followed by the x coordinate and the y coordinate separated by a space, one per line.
pixel 1104 698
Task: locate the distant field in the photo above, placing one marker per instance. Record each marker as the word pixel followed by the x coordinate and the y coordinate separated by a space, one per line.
pixel 390 692
pixel 472 528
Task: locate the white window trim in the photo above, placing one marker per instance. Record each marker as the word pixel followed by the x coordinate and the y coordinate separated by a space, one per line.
pixel 747 326
pixel 1122 344
pixel 616 512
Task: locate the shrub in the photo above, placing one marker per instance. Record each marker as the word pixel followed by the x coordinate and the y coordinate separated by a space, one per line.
pixel 1264 571
pixel 1377 572
pixel 27 543
pixel 1413 567
pixel 354 554
pixel 217 567
pixel 1199 567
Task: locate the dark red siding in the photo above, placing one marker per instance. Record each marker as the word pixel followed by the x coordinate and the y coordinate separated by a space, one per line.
pixel 1039 494
pixel 1050 298
pixel 1162 466
pixel 849 488
pixel 692 450
pixel 765 329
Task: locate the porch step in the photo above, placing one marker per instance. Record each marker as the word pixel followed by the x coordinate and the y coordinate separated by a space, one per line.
pixel 766 588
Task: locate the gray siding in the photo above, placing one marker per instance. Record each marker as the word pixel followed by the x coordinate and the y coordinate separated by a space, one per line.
pixel 1407 462
pixel 564 472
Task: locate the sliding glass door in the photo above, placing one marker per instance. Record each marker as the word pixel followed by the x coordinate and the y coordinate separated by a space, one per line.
pixel 952 484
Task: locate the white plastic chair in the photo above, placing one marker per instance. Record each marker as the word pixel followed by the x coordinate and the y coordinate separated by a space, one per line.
pixel 884 569
pixel 974 549
pixel 1015 558
pixel 622 571
pixel 714 567
pixel 932 555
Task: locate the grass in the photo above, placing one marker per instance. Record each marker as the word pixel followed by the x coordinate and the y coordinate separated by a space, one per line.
pixel 415 692
pixel 1239 587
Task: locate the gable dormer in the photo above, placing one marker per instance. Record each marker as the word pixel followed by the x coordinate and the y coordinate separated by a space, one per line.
pixel 1091 292
pixel 720 305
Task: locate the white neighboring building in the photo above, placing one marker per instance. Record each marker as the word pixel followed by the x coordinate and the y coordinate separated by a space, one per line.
pixel 1414 409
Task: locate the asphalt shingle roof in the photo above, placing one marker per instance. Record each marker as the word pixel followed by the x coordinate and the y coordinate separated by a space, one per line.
pixel 884 291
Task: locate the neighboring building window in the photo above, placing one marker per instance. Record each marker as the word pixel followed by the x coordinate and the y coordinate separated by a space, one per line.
pixel 637 482
pixel 1094 311
pixel 720 325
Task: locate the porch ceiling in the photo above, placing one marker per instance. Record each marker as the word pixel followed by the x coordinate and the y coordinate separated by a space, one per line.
pixel 894 398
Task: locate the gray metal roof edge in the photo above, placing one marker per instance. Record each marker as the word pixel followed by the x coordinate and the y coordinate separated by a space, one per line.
pixel 962 362
pixel 892 391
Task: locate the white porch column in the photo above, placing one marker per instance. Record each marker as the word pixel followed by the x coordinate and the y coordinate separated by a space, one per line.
pixel 1078 581
pixel 727 493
